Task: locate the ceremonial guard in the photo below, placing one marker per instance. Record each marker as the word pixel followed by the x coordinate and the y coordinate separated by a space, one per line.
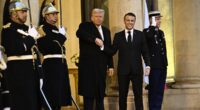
pixel 18 39
pixel 158 57
pixel 51 45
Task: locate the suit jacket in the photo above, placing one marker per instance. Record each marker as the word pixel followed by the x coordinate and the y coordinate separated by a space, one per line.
pixel 157 47
pixel 93 63
pixel 130 58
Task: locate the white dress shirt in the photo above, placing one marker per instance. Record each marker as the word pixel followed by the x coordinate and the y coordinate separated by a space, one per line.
pixel 126 33
pixel 101 35
pixel 101 32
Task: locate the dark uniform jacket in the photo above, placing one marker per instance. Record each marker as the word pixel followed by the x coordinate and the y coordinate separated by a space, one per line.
pixel 157 47
pixel 21 78
pixel 93 63
pixel 56 78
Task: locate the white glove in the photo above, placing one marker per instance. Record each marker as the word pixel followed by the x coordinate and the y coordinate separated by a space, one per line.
pixel 33 32
pixel 62 30
pixel 7 108
pixel 153 21
pixel 41 83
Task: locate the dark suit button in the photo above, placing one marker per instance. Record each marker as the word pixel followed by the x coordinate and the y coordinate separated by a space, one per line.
pixel 152 55
pixel 163 53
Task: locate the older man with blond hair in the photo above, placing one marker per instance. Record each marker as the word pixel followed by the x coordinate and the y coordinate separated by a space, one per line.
pixel 93 61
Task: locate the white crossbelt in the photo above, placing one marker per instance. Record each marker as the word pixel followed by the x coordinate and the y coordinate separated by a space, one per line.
pixel 22 57
pixel 53 56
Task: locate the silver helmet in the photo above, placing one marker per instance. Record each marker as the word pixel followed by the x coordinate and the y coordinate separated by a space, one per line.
pixel 49 8
pixel 16 6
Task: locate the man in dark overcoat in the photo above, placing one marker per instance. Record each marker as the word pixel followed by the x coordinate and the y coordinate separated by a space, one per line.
pixel 94 61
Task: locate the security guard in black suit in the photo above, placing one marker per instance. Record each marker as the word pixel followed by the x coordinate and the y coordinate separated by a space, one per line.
pixel 158 57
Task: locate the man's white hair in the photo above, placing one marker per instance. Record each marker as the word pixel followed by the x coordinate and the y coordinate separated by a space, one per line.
pixel 97 10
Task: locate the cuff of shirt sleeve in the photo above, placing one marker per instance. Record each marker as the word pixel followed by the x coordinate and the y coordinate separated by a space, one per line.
pixel 148 67
pixel 6 108
pixel 102 48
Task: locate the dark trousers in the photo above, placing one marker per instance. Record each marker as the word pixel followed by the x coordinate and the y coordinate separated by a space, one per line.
pixel 157 80
pixel 91 103
pixel 53 108
pixel 56 108
pixel 124 81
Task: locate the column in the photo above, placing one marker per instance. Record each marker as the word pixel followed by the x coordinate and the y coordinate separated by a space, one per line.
pixel 186 18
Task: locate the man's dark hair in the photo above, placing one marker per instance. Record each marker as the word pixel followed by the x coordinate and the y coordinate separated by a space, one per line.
pixel 129 14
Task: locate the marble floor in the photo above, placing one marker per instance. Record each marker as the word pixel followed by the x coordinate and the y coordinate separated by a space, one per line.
pixel 174 99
